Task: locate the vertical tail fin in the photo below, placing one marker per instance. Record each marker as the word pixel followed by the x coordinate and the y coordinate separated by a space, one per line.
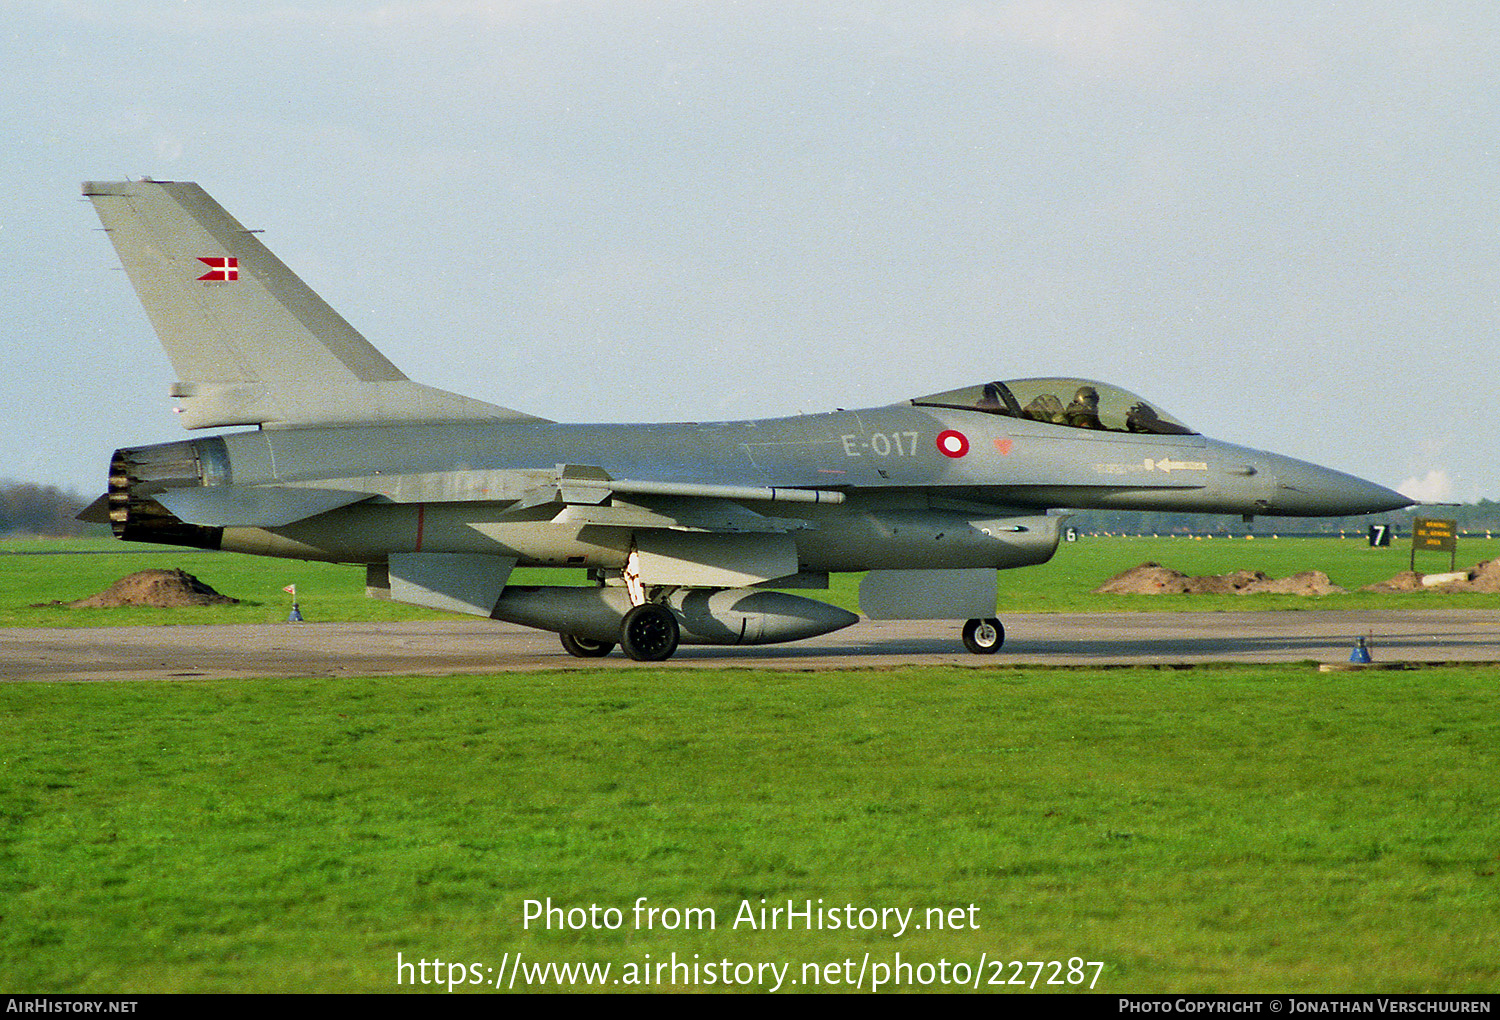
pixel 252 343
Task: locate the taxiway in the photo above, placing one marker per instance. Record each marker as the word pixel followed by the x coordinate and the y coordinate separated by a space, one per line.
pixel 476 646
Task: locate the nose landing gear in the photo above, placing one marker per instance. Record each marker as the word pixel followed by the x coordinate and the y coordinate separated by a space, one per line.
pixel 984 637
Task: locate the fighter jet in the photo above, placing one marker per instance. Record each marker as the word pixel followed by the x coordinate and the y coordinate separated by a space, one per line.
pixel 689 533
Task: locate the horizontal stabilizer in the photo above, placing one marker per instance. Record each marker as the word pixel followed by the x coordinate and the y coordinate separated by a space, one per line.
pixel 236 506
pixel 96 512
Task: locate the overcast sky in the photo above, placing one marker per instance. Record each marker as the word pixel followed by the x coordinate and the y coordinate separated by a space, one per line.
pixel 1276 219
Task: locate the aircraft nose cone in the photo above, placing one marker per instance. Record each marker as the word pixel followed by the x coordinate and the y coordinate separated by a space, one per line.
pixel 1306 489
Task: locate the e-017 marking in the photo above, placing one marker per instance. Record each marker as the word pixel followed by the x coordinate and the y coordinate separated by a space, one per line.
pixel 882 444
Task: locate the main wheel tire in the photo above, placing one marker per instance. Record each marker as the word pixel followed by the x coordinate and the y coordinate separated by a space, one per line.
pixel 984 637
pixel 649 633
pixel 583 648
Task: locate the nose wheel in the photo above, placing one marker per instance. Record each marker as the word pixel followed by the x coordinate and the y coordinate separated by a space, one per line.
pixel 984 637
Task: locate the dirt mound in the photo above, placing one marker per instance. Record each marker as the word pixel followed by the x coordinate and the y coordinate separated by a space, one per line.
pixel 1407 580
pixel 1309 582
pixel 169 589
pixel 1483 577
pixel 1146 579
pixel 1155 579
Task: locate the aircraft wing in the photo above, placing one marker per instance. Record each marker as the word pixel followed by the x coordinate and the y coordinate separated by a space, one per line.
pixel 718 516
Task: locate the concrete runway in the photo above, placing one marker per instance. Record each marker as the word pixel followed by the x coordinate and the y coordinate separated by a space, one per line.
pixel 479 646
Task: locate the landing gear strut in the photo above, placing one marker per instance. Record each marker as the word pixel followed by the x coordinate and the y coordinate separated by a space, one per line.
pixel 649 633
pixel 984 637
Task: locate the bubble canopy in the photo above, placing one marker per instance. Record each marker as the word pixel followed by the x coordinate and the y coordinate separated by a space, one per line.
pixel 1073 403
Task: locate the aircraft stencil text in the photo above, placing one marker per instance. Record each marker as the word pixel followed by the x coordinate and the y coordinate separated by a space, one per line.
pixel 881 444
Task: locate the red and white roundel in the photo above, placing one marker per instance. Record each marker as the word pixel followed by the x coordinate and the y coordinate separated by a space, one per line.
pixel 952 444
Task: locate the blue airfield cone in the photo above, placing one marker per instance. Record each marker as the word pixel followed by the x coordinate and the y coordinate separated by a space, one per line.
pixel 1361 652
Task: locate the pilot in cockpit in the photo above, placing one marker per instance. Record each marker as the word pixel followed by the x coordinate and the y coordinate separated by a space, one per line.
pixel 1083 412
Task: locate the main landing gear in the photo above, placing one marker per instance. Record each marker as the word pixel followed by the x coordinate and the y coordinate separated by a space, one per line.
pixel 984 637
pixel 583 648
pixel 649 633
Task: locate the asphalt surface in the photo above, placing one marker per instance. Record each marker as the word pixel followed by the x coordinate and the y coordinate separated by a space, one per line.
pixel 479 646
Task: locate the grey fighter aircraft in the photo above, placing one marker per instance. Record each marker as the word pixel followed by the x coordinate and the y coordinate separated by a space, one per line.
pixel 690 533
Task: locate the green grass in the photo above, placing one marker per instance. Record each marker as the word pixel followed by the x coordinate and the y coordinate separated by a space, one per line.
pixel 335 592
pixel 1210 830
pixel 1065 583
pixel 328 592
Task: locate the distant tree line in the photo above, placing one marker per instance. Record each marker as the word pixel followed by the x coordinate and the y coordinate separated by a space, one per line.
pixel 30 509
pixel 1471 517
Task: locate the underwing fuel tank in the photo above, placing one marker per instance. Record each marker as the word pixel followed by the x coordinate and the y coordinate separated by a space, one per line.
pixel 705 616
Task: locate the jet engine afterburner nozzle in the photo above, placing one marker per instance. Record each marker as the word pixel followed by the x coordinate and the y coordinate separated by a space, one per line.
pixel 137 475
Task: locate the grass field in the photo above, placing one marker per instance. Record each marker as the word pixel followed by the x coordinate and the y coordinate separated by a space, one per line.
pixel 1214 830
pixel 334 592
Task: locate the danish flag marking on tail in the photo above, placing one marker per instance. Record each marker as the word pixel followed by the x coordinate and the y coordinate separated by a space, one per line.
pixel 221 268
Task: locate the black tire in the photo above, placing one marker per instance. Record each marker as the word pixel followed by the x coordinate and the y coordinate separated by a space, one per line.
pixel 649 633
pixel 984 637
pixel 583 648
